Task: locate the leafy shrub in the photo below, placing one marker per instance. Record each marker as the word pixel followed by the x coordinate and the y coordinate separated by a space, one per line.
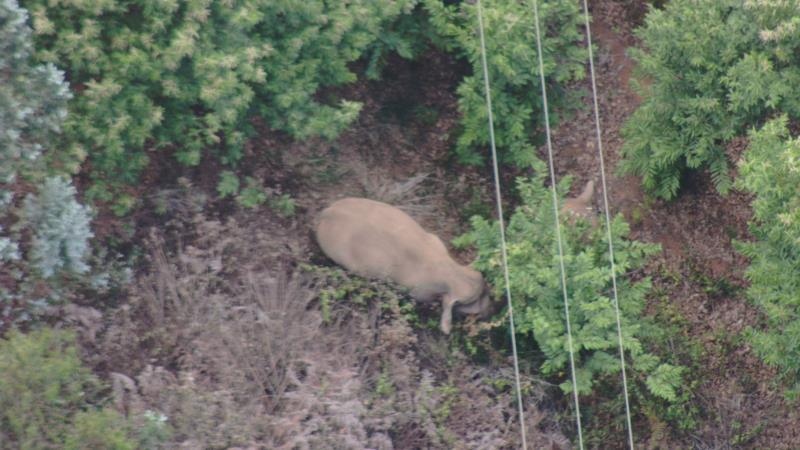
pixel 45 394
pixel 538 303
pixel 252 195
pixel 284 205
pixel 513 70
pixel 771 170
pixel 61 228
pixel 409 35
pixel 709 69
pixel 33 105
pixel 185 77
pixel 9 250
pixel 104 429
pixel 33 98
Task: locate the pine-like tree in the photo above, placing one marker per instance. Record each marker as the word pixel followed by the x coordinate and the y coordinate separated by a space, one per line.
pixel 33 98
pixel 513 71
pixel 770 169
pixel 708 70
pixel 534 272
pixel 33 106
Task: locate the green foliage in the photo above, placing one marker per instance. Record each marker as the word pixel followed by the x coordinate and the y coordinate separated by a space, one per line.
pixel 709 69
pixel 45 394
pixel 537 294
pixel 61 229
pixel 52 227
pixel 512 62
pixel 101 429
pixel 771 170
pixel 154 430
pixel 253 195
pixel 284 205
pixel 228 184
pixel 338 287
pixel 408 36
pixel 33 98
pixel 383 385
pixel 664 380
pixel 184 77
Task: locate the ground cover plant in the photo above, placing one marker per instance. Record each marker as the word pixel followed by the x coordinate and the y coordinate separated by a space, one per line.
pixel 48 399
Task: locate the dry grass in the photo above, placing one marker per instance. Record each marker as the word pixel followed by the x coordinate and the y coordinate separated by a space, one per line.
pixel 240 361
pixel 241 358
pixel 413 195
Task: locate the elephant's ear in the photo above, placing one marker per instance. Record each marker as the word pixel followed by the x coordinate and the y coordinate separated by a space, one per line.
pixel 428 292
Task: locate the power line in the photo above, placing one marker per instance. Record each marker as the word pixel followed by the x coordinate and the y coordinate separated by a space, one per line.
pixel 608 223
pixel 502 224
pixel 558 226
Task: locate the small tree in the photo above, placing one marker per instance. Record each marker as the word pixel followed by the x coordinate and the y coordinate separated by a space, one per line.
pixel 534 271
pixel 708 69
pixel 513 70
pixel 33 102
pixel 61 228
pixel 33 98
pixel 770 169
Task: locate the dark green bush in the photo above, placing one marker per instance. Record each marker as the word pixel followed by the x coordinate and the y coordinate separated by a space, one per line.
pixel 513 70
pixel 708 70
pixel 184 77
pixel 770 169
pixel 537 295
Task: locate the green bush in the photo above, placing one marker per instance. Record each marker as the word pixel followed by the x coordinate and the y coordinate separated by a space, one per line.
pixel 33 106
pixel 184 77
pixel 33 98
pixel 60 227
pixel 770 169
pixel 46 395
pixel 708 70
pixel 513 70
pixel 537 295
pixel 99 429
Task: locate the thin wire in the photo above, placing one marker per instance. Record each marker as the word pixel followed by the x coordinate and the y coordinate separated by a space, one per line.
pixel 502 224
pixel 558 225
pixel 608 223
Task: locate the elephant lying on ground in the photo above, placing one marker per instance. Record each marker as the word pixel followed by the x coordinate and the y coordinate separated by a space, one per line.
pixel 377 240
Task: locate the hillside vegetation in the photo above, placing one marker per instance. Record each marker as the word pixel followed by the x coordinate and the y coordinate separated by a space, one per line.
pixel 162 164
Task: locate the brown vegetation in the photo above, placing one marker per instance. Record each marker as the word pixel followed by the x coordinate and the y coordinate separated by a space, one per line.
pixel 238 358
